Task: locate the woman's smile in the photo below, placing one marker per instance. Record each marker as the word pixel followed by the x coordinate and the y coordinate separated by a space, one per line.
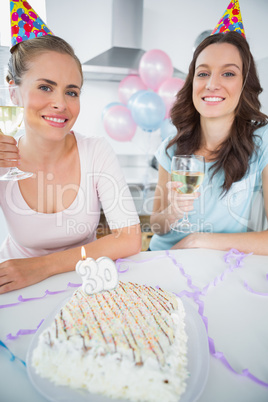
pixel 51 99
pixel 217 81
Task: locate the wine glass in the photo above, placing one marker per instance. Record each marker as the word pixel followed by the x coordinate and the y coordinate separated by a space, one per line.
pixel 11 117
pixel 188 170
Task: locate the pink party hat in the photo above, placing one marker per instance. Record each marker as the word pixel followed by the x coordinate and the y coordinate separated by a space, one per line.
pixel 231 20
pixel 25 22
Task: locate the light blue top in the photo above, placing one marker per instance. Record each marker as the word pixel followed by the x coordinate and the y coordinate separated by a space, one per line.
pixel 212 211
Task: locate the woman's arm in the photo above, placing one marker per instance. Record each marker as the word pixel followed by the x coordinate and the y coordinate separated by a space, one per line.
pixel 256 242
pixel 169 205
pixel 19 273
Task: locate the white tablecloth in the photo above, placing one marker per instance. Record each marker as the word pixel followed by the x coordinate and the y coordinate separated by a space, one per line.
pixel 235 304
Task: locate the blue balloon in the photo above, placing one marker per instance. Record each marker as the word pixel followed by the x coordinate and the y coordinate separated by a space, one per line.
pixel 148 110
pixel 46 29
pixel 167 129
pixel 36 25
pixel 133 97
pixel 107 107
pixel 22 32
pixel 20 11
pixel 231 27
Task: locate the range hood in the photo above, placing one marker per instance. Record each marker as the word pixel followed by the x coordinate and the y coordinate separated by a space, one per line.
pixel 123 57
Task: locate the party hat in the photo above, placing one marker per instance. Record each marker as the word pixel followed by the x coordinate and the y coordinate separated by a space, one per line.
pixel 231 20
pixel 25 22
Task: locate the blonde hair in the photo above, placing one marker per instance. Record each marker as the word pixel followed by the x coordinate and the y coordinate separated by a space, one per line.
pixel 23 53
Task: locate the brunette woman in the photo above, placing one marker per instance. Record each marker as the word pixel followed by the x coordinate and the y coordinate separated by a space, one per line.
pixel 217 115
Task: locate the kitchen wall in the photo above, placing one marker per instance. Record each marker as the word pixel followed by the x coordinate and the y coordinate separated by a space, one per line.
pixel 169 25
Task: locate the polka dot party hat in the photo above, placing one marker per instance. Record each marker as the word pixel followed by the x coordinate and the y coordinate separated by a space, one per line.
pixel 25 22
pixel 231 20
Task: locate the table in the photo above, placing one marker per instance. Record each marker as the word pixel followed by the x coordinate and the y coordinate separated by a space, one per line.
pixel 235 301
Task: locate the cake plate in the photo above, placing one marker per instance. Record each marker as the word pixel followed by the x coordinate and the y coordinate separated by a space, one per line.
pixel 198 363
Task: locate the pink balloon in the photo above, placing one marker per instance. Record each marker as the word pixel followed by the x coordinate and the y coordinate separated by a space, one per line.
pixel 168 91
pixel 155 68
pixel 119 124
pixel 128 86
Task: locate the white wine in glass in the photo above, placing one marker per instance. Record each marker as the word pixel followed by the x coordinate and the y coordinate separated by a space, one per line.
pixel 11 117
pixel 188 170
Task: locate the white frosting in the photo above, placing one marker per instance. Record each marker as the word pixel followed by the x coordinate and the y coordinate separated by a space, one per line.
pixel 116 374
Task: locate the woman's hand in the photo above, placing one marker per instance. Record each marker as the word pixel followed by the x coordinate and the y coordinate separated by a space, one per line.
pixel 9 153
pixel 180 203
pixel 19 273
pixel 169 204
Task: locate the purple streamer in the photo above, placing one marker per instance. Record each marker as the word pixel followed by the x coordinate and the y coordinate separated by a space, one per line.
pixel 254 291
pixel 234 259
pixel 10 337
pixel 21 299
pixel 188 277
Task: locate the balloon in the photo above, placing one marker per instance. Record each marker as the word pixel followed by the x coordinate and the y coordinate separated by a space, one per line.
pixel 15 29
pixel 36 25
pixel 167 129
pixel 148 110
pixel 33 15
pixel 168 91
pixel 25 17
pixel 27 27
pixel 27 5
pixel 133 97
pixel 128 86
pixel 15 17
pixel 119 124
pixel 155 67
pixel 20 11
pixel 107 107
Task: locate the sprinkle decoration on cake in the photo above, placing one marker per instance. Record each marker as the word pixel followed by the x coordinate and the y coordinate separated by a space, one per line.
pixel 128 343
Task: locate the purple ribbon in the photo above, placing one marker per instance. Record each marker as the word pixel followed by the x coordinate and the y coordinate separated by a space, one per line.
pixel 254 291
pixel 235 259
pixel 20 332
pixel 21 299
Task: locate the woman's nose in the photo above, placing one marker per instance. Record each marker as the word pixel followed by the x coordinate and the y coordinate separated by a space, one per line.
pixel 59 102
pixel 213 83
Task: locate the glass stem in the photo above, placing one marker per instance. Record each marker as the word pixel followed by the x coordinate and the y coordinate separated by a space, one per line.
pixel 185 217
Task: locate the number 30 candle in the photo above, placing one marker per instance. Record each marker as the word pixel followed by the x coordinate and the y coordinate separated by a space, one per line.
pixel 97 275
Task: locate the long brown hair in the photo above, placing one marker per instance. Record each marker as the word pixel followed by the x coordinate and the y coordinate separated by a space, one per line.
pixel 234 153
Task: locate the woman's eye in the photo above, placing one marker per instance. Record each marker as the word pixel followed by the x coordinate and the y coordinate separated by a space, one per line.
pixel 73 93
pixel 44 88
pixel 228 74
pixel 202 74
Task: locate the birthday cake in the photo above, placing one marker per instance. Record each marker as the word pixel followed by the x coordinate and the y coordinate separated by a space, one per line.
pixel 129 343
